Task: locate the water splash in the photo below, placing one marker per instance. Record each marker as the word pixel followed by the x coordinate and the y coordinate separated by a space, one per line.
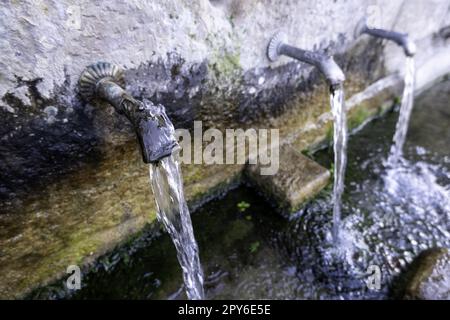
pixel 393 215
pixel 340 155
pixel 405 113
pixel 173 213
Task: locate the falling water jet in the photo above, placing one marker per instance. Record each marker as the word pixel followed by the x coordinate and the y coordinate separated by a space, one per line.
pixel 405 113
pixel 335 77
pixel 410 49
pixel 340 155
pixel 155 133
pixel 173 213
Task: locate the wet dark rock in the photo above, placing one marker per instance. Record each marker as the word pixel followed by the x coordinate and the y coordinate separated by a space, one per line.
pixel 428 277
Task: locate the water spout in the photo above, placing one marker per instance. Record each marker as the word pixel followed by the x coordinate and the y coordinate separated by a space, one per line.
pixel 156 135
pixel 325 63
pixel 410 49
pixel 105 81
pixel 335 77
pixel 402 39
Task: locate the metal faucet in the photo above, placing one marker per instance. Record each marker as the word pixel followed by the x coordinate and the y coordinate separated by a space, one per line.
pixel 325 63
pixel 155 132
pixel 402 39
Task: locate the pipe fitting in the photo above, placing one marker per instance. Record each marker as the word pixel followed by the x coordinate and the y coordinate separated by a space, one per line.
pixel 154 130
pixel 327 66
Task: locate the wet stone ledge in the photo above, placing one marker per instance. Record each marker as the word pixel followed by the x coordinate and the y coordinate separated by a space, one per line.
pixel 298 179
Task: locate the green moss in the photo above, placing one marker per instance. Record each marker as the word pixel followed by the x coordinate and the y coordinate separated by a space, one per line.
pixel 307 153
pixel 226 65
pixel 254 246
pixel 330 132
pixel 332 170
pixel 242 206
pixel 358 117
pixel 191 174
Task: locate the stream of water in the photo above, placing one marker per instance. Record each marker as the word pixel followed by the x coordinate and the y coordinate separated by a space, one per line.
pixel 340 155
pixel 340 139
pixel 405 113
pixel 173 213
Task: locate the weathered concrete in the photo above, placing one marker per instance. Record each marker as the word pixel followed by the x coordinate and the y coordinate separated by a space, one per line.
pixel 298 179
pixel 70 172
pixel 204 60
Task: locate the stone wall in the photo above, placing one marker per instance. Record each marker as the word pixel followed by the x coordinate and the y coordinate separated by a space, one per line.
pixel 72 185
pixel 205 60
